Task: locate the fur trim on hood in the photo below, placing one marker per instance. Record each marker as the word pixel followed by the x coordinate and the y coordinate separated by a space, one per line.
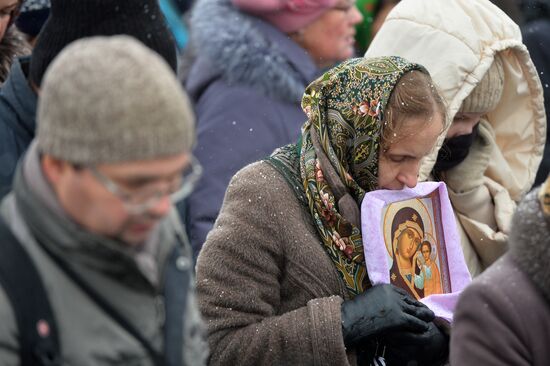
pixel 530 242
pixel 238 51
pixel 11 46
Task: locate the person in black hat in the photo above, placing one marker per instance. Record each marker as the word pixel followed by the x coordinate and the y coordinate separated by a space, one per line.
pixel 68 21
pixel 32 16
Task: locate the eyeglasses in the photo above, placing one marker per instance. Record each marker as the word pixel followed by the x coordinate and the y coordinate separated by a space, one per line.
pixel 138 202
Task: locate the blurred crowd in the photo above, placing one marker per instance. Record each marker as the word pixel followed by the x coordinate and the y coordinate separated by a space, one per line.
pixel 181 182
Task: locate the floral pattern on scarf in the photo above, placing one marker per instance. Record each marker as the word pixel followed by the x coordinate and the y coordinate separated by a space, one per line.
pixel 345 107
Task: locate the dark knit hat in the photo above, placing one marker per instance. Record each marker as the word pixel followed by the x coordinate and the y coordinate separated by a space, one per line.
pixel 70 20
pixel 32 16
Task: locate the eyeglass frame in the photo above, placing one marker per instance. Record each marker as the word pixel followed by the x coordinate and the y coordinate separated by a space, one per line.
pixel 186 187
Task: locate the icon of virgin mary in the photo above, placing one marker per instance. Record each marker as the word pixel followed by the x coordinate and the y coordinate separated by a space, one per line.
pixel 407 231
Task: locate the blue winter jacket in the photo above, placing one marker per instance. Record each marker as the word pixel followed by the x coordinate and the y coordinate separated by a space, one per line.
pixel 247 83
pixel 17 121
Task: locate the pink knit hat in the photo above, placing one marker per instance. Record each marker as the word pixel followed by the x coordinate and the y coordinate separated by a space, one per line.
pixel 287 15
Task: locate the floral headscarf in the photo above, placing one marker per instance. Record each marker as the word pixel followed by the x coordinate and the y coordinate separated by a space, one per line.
pixel 336 160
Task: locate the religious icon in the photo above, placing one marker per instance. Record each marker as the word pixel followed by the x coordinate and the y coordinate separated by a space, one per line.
pixel 416 247
pixel 410 240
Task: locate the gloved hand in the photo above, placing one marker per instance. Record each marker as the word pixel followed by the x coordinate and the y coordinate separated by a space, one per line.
pixel 430 348
pixel 382 309
pixel 469 174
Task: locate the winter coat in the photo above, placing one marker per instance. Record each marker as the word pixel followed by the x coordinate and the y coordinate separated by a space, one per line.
pixel 247 83
pixel 456 41
pixel 17 121
pixel 269 293
pixel 536 36
pixel 12 45
pixel 503 317
pixel 88 336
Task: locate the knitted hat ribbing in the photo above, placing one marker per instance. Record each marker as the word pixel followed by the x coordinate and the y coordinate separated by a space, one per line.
pixel 486 95
pixel 111 99
pixel 70 20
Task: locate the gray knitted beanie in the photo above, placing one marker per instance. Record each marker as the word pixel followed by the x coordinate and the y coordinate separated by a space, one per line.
pixel 111 99
pixel 486 94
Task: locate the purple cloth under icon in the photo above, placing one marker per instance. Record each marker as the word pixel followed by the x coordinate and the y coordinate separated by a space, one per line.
pixel 377 219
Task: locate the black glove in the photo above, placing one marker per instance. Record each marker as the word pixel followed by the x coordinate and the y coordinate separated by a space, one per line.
pixel 430 348
pixel 379 310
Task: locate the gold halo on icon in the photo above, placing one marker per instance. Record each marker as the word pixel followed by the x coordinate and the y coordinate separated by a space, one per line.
pixel 390 211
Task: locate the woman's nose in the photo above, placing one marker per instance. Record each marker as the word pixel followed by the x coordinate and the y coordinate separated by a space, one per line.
pixel 409 178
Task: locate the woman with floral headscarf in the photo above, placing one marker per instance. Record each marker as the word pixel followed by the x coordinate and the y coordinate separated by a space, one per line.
pixel 282 277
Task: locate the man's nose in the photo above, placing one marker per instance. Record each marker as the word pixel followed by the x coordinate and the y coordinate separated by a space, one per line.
pixel 162 207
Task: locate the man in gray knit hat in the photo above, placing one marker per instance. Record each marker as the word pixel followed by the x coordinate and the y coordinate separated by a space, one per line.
pixel 68 21
pixel 92 207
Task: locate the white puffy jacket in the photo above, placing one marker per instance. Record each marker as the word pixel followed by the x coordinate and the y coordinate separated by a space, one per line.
pixel 456 40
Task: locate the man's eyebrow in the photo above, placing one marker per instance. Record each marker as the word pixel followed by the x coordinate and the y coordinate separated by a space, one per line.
pixel 142 179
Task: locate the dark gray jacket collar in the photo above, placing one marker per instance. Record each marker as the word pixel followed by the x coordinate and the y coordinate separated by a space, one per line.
pixel 244 50
pixel 530 242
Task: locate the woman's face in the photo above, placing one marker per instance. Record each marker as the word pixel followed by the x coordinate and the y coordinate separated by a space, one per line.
pixel 7 7
pixel 331 37
pixel 407 243
pixel 399 164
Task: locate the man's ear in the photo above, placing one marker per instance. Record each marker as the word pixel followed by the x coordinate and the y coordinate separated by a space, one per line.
pixel 53 168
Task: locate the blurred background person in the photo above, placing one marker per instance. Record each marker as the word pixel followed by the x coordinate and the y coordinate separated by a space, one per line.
pixel 493 147
pixel 253 60
pixel 69 20
pixel 93 210
pixel 12 43
pixel 503 317
pixel 32 16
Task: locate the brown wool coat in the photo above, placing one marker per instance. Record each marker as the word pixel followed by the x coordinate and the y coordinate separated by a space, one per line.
pixel 267 290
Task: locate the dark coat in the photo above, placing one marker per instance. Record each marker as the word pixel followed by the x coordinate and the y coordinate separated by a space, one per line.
pixel 536 36
pixel 503 317
pixel 247 86
pixel 17 121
